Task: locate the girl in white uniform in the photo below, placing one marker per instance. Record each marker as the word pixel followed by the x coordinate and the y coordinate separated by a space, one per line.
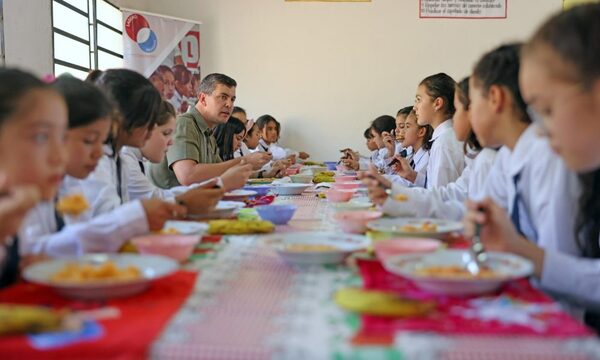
pixel 270 130
pixel 411 170
pixel 33 124
pixel 137 107
pixel 232 135
pixel 380 127
pixel 560 79
pixel 240 114
pixel 197 198
pixel 393 141
pixel 434 105
pixel 45 231
pixel 447 202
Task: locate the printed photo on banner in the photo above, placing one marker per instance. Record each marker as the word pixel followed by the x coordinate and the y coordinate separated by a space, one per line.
pixel 167 51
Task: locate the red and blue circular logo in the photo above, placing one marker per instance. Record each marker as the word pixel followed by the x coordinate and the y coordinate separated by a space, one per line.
pixel 138 30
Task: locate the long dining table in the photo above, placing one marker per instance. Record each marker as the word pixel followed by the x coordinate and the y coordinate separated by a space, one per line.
pixel 244 302
pixel 250 304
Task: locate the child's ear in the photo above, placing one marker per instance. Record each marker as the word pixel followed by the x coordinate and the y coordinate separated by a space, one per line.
pixel 438 104
pixel 422 131
pixel 497 98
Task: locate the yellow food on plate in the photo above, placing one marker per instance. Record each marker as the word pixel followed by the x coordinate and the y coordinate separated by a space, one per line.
pixel 313 163
pixel 260 181
pixel 87 273
pixel 455 272
pixel 128 247
pixel 424 227
pixel 168 231
pixel 310 248
pixel 18 319
pixel 400 197
pixel 380 303
pixel 320 178
pixel 73 205
pixel 238 227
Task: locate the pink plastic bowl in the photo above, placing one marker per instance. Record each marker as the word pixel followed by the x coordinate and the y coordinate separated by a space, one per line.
pixel 290 171
pixel 386 248
pixel 178 247
pixel 355 222
pixel 344 178
pixel 339 195
pixel 349 185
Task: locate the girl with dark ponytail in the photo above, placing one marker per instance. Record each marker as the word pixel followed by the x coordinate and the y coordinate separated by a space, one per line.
pixel 560 81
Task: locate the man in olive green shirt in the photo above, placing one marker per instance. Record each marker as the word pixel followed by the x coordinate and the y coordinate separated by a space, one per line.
pixel 194 156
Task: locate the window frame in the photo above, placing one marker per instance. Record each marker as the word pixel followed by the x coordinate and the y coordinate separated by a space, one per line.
pixel 92 43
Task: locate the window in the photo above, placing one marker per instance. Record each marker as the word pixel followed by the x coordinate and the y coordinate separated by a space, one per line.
pixel 87 35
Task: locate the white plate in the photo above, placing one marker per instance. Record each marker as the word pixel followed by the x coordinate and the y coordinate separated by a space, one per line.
pixel 223 210
pixel 239 194
pixel 345 244
pixel 507 266
pixel 152 267
pixel 395 226
pixel 290 189
pixel 186 227
pixel 351 206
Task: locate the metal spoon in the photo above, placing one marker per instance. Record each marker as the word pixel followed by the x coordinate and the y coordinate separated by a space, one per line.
pixel 478 256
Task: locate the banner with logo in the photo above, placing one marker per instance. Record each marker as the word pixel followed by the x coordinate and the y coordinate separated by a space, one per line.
pixel 166 51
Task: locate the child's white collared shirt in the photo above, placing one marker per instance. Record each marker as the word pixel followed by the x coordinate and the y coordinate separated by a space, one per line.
pixel 100 188
pixel 103 233
pixel 446 158
pixel 420 159
pixel 139 185
pixel 242 151
pixel 533 159
pixel 566 275
pixel 445 202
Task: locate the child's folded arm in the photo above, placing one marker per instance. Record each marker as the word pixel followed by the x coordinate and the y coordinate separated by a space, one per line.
pixel 104 233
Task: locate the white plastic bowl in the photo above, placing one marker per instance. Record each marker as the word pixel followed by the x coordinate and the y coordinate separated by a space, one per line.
pixel 344 245
pixel 289 189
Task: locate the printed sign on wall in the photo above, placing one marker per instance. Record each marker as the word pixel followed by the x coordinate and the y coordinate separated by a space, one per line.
pixel 463 9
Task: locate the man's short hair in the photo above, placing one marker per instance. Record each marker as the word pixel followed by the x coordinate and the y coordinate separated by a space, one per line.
pixel 210 82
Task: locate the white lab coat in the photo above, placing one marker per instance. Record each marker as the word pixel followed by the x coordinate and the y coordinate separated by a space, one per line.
pixel 446 158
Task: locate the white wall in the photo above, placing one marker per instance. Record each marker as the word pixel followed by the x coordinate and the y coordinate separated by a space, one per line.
pixel 28 35
pixel 326 69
